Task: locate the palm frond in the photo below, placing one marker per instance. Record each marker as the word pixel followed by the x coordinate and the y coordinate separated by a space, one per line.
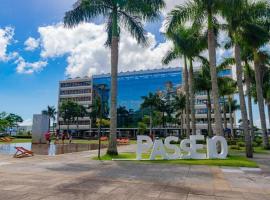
pixel 84 11
pixel 134 26
pixel 170 56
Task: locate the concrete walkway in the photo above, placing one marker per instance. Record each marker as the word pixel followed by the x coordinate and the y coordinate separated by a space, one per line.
pixel 75 176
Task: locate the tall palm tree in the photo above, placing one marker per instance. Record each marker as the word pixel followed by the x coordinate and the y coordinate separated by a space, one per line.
pixel 199 11
pixel 227 87
pixel 128 14
pixel 51 112
pixel 179 104
pixel 255 34
pixel 80 112
pixel 249 80
pixel 241 17
pixel 68 112
pixel 188 42
pixel 231 107
pixel 203 83
pixel 150 102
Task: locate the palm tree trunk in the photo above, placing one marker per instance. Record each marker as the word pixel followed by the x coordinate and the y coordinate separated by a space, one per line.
pixel 151 124
pixel 182 124
pixel 49 124
pixel 186 87
pixel 192 98
pixel 213 70
pixel 224 113
pixel 112 148
pixel 231 119
pixel 250 113
pixel 239 75
pixel 260 98
pixel 210 134
pixel 268 110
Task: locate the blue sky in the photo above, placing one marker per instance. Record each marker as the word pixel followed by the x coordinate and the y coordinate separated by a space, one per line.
pixel 26 94
pixel 29 78
pixel 21 93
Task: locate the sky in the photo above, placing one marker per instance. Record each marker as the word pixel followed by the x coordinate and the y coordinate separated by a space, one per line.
pixel 36 51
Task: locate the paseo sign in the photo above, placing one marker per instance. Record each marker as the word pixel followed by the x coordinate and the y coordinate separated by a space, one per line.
pixel 188 148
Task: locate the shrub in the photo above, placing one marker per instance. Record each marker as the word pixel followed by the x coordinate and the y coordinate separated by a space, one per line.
pixel 235 147
pixel 240 144
pixel 255 144
pixel 258 141
pixel 231 142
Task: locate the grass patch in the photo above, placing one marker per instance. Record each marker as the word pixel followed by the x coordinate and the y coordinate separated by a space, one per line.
pixel 18 140
pixel 232 160
pixel 258 150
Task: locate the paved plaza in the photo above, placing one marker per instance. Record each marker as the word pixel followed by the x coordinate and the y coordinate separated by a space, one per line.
pixel 76 177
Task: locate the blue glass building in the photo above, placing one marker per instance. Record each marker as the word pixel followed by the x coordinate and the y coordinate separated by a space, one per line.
pixel 133 85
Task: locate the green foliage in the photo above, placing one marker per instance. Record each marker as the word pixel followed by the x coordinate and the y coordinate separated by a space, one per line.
pixel 235 147
pixel 232 142
pixel 118 14
pixel 142 127
pixel 240 144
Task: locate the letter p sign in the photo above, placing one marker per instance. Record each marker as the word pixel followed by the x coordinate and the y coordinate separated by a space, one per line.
pixel 144 143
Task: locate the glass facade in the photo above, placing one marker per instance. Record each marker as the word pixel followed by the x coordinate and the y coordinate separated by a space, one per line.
pixel 132 86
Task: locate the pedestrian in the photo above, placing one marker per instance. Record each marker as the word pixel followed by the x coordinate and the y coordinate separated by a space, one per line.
pixel 48 137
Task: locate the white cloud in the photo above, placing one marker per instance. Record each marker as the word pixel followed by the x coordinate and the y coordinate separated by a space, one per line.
pixel 86 53
pixel 24 67
pixel 6 37
pixel 170 4
pixel 27 122
pixel 31 44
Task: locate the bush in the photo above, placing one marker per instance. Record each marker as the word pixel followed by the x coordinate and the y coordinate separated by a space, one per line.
pixel 258 141
pixel 255 144
pixel 240 144
pixel 23 136
pixel 231 142
pixel 235 147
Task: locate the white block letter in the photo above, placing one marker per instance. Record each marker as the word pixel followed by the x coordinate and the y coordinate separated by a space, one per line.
pixel 184 147
pixel 194 147
pixel 158 150
pixel 143 147
pixel 170 146
pixel 212 151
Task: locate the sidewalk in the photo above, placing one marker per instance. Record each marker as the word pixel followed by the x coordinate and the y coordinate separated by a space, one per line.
pixel 76 176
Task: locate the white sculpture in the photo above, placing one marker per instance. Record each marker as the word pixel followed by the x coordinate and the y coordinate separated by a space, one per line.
pixel 188 148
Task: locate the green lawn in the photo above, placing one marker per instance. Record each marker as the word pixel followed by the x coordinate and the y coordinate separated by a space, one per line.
pixel 18 140
pixel 232 160
pixel 258 150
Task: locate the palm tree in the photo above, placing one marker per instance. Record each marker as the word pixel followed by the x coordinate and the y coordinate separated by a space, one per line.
pixel 51 113
pixel 231 107
pixel 198 11
pixel 249 80
pixel 128 14
pixel 203 83
pixel 188 43
pixel 242 22
pixel 227 87
pixel 68 112
pixel 150 102
pixel 255 34
pixel 80 112
pixel 179 103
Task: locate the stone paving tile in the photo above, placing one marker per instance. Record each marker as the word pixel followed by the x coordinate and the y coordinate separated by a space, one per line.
pixel 200 197
pixel 231 194
pixel 173 195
